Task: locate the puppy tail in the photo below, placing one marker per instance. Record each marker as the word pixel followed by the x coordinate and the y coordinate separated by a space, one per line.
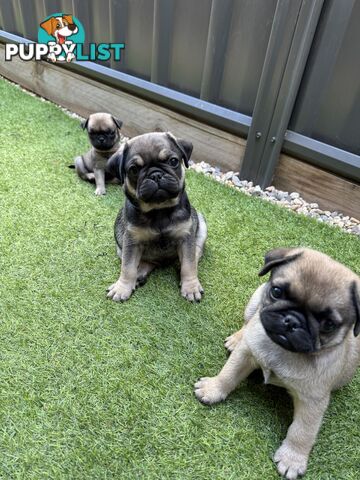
pixel 71 166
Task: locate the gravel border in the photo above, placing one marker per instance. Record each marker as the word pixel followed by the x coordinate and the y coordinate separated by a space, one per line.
pixel 292 201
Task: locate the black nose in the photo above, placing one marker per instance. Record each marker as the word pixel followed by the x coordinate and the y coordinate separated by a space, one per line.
pixel 291 322
pixel 72 26
pixel 156 176
pixel 101 139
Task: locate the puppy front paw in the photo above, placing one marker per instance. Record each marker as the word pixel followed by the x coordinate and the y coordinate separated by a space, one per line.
pixel 120 291
pixel 290 463
pixel 100 191
pixel 192 290
pixel 208 390
pixel 231 341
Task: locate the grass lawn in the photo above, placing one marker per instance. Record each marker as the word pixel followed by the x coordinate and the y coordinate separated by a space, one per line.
pixel 93 389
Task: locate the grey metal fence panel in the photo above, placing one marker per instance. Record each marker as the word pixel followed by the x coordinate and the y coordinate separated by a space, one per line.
pixel 170 42
pixel 216 51
pixel 328 105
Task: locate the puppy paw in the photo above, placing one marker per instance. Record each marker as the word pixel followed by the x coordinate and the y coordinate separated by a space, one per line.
pixel 290 463
pixel 100 191
pixel 120 291
pixel 231 341
pixel 208 390
pixel 192 290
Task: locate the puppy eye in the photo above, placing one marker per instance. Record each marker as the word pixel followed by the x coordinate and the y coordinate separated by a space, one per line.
pixel 133 170
pixel 173 162
pixel 58 25
pixel 328 326
pixel 276 292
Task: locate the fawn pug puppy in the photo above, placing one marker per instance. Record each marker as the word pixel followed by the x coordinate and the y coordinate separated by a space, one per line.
pixel 157 224
pixel 104 135
pixel 301 328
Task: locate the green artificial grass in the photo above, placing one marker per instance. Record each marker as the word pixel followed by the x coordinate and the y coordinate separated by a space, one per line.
pixel 93 389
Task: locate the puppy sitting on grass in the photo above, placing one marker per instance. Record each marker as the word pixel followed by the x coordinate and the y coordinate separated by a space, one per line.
pixel 104 135
pixel 157 224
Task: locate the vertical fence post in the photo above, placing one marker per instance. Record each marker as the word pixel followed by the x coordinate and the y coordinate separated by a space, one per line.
pixel 163 22
pixel 292 33
pixel 219 26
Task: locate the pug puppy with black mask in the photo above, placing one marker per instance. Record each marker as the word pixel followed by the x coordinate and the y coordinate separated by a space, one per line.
pixel 301 329
pixel 104 134
pixel 157 224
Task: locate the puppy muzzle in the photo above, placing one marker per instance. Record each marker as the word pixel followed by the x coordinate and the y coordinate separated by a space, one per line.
pixel 158 186
pixel 289 329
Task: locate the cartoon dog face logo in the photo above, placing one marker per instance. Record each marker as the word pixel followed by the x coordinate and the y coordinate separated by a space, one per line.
pixel 60 27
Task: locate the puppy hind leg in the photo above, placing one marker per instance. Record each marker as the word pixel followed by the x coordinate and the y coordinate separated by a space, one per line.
pixel 144 270
pixel 250 310
pixel 231 341
pixel 82 171
pixel 254 302
pixel 240 364
pixel 201 236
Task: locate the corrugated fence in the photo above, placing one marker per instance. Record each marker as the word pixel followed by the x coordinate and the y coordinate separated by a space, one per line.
pixel 291 65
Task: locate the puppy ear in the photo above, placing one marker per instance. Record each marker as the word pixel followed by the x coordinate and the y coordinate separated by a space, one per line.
pixel 48 25
pixel 184 146
pixel 84 123
pixel 277 257
pixel 69 19
pixel 117 122
pixel 355 297
pixel 116 163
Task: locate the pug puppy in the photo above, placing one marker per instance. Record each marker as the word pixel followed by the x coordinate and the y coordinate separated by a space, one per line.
pixel 301 329
pixel 104 135
pixel 157 224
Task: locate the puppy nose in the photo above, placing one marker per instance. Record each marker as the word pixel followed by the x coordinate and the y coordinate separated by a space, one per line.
pixel 156 176
pixel 291 322
pixel 101 139
pixel 72 26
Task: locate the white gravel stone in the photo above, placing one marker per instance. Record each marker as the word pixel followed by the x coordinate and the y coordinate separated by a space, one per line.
pixel 292 201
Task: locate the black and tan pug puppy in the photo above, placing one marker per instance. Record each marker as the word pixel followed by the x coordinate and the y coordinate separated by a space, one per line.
pixel 157 224
pixel 104 135
pixel 301 329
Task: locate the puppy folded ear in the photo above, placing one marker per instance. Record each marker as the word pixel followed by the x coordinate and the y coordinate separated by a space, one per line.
pixel 355 297
pixel 184 146
pixel 84 123
pixel 49 25
pixel 277 257
pixel 117 122
pixel 116 163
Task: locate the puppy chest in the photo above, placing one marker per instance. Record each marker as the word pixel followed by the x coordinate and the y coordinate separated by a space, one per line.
pixel 161 234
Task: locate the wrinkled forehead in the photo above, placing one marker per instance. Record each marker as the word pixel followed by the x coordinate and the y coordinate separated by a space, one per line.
pixel 100 122
pixel 312 284
pixel 151 147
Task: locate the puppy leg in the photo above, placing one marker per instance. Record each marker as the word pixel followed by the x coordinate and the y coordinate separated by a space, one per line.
pixel 250 311
pixel 254 302
pixel 239 365
pixel 191 288
pixel 82 171
pixel 231 341
pixel 201 236
pixel 292 457
pixel 123 288
pixel 143 272
pixel 99 181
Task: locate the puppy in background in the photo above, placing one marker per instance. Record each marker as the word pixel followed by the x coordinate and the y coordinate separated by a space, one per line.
pixel 301 329
pixel 157 224
pixel 104 135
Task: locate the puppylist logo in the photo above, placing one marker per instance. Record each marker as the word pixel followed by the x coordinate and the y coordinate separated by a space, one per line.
pixel 61 38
